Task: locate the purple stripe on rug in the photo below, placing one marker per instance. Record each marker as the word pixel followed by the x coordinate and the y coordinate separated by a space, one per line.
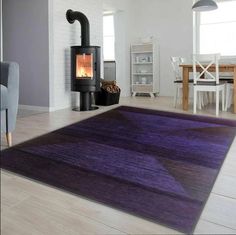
pixel 154 164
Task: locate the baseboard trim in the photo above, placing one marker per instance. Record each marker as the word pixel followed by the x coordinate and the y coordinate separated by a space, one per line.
pixel 34 108
pixel 41 108
pixel 53 109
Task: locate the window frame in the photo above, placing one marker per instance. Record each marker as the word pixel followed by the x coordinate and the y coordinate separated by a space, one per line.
pixel 110 14
pixel 196 32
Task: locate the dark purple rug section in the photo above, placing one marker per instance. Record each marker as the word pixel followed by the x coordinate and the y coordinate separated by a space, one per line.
pixel 153 164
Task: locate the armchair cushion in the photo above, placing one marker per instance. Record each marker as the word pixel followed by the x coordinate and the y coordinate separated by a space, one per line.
pixel 4 97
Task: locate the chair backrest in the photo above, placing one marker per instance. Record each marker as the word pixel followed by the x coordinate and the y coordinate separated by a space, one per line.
pixel 175 62
pixel 209 68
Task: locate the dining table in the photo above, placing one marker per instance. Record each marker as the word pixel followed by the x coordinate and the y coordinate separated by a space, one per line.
pixel 188 68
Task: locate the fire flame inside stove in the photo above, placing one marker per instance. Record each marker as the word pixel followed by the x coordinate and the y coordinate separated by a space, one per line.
pixel 84 66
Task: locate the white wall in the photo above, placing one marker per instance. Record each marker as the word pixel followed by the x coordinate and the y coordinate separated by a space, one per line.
pixel 25 41
pixel 115 5
pixel 169 21
pixel 62 36
pixel 122 49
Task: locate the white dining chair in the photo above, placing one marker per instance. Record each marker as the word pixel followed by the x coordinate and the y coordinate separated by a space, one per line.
pixel 210 82
pixel 178 79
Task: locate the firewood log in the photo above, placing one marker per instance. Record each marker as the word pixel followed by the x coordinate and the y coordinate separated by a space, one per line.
pixel 110 86
pixel 105 83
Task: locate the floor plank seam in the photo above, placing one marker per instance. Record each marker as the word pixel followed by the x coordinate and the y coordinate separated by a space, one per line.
pixel 18 203
pixel 234 229
pixel 98 221
pixel 225 196
pixel 219 195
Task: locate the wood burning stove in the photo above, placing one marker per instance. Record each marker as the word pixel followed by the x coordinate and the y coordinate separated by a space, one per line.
pixel 85 63
pixel 85 73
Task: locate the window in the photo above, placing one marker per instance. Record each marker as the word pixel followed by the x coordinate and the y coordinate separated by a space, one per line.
pixel 217 29
pixel 108 37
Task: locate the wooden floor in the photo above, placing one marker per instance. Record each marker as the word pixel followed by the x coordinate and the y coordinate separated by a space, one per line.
pixel 31 208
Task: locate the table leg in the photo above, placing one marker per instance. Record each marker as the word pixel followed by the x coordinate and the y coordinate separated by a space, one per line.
pixel 185 88
pixel 234 89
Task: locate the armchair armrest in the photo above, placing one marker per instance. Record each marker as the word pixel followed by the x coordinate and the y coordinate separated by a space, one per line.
pixel 10 79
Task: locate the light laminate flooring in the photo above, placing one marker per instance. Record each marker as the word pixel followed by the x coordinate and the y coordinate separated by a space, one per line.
pixel 32 208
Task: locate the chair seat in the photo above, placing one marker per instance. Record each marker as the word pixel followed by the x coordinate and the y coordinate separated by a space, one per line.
pixel 231 81
pixel 227 80
pixel 4 99
pixel 181 81
pixel 209 83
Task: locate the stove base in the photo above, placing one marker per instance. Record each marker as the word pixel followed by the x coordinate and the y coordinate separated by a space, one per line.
pixel 92 108
pixel 85 103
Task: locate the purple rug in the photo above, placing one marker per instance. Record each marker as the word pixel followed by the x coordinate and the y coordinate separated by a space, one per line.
pixel 157 165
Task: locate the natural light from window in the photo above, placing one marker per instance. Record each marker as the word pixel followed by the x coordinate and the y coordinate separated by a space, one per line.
pixel 108 38
pixel 218 30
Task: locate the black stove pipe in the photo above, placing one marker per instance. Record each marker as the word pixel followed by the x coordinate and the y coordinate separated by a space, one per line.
pixel 71 16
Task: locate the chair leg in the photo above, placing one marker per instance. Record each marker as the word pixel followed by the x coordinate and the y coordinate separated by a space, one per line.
pixel 210 96
pixel 9 139
pixel 180 97
pixel 223 99
pixel 176 96
pixel 217 102
pixel 8 134
pixel 205 98
pixel 228 97
pixel 195 101
pixel 200 100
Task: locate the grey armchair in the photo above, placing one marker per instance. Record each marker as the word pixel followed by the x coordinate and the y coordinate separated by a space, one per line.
pixel 9 83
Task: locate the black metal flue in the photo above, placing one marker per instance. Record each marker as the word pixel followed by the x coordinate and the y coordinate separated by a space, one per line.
pixel 72 16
